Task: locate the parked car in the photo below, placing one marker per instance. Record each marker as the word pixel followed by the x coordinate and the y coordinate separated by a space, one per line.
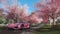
pixel 18 25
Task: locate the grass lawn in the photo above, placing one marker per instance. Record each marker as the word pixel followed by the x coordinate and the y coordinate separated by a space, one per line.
pixel 48 32
pixel 51 32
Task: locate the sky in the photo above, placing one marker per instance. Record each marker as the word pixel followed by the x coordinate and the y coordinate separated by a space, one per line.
pixel 30 4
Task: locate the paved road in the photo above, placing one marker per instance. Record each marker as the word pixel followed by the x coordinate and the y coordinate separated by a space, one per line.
pixel 16 32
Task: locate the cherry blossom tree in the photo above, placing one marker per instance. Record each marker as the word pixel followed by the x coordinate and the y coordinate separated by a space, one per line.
pixel 17 12
pixel 49 10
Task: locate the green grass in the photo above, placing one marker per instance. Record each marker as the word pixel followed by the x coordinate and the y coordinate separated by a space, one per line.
pixel 54 32
pixel 3 28
pixel 48 32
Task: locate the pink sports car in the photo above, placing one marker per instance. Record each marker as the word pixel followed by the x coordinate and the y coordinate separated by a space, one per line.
pixel 18 25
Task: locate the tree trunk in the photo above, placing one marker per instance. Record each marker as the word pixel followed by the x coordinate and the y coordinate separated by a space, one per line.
pixel 54 23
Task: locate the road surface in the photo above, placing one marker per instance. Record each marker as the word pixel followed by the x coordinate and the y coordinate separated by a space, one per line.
pixel 16 32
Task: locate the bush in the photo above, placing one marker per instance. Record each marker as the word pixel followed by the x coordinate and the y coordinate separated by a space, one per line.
pixel 3 20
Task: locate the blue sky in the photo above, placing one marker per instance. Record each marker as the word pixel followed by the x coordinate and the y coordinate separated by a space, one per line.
pixel 30 4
